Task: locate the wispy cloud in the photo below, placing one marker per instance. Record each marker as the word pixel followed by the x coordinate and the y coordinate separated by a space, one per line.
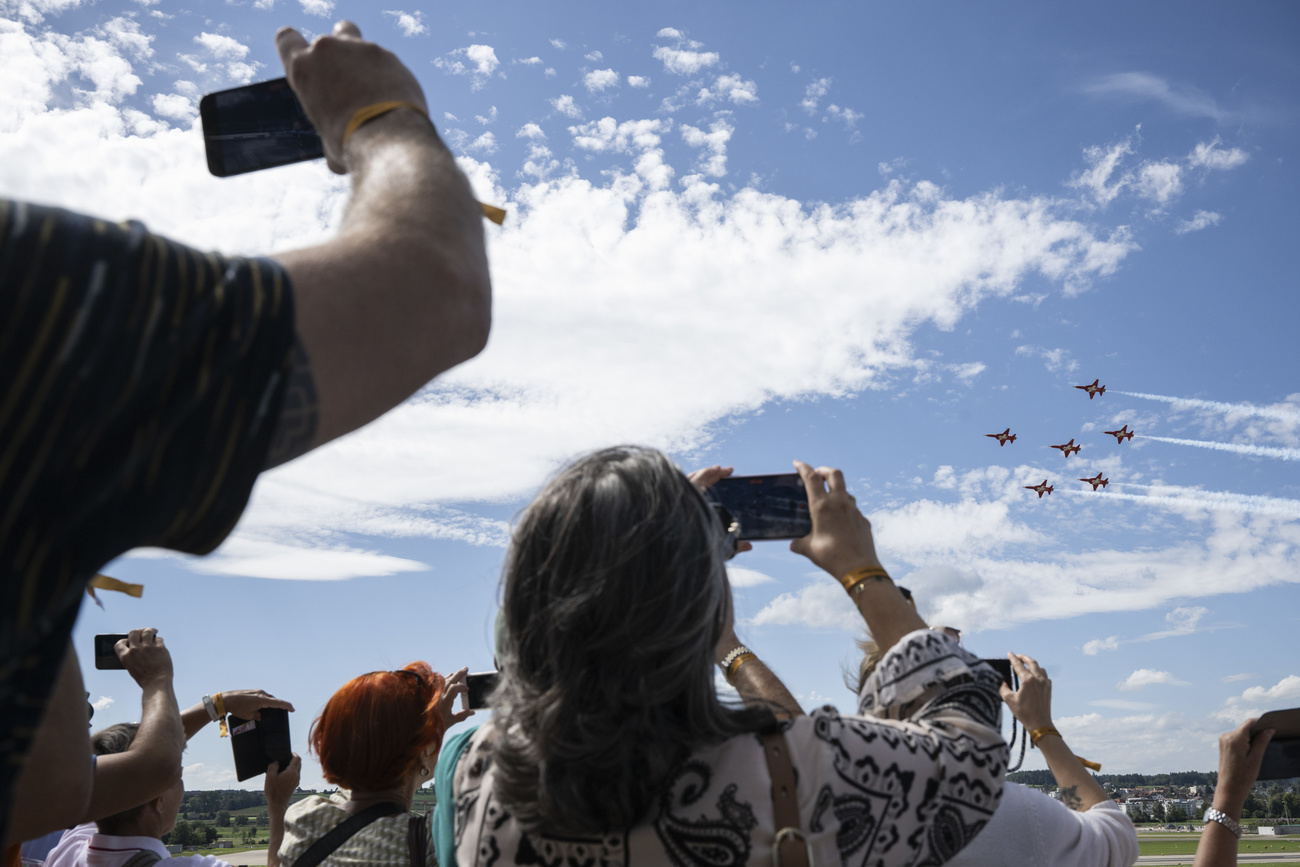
pixel 1123 704
pixel 1233 678
pixel 1279 412
pixel 410 23
pixel 1182 498
pixel 1182 100
pixel 102 703
pixel 1200 220
pixel 478 62
pixel 1258 699
pixel 1182 621
pixel 1148 677
pixel 1097 645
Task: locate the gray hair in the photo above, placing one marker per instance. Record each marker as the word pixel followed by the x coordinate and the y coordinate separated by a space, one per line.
pixel 615 597
pixel 105 742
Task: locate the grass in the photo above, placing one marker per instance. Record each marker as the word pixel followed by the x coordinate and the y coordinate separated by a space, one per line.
pixel 1188 846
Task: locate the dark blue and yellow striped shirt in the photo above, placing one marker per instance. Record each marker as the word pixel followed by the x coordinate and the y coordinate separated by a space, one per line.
pixel 140 382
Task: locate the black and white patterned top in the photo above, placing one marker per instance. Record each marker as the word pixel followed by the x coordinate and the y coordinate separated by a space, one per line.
pixel 908 781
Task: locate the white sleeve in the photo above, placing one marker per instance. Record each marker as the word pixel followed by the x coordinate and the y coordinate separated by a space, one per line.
pixel 1101 836
pixel 72 846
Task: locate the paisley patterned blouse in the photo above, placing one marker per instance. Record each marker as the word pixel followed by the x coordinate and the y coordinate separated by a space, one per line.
pixel 908 781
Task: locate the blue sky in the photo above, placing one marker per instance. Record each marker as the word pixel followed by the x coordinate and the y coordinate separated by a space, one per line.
pixel 857 236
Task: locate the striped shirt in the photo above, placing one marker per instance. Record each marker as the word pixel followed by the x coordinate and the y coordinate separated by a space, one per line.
pixel 140 383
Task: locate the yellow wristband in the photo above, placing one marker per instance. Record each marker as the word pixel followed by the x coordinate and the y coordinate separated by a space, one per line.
pixel 853 581
pixel 363 116
pixel 737 663
pixel 1039 733
pixel 1092 766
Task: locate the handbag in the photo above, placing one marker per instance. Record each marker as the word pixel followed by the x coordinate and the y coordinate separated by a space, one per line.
pixel 791 846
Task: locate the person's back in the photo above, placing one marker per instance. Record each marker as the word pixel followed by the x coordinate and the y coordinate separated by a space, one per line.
pixel 608 743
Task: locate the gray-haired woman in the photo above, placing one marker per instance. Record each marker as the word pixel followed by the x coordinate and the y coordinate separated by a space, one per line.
pixel 609 745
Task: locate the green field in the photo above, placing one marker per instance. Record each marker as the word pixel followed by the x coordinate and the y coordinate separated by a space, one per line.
pixel 1188 847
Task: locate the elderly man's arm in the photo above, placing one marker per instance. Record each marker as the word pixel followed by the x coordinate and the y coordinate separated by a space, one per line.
pixel 402 293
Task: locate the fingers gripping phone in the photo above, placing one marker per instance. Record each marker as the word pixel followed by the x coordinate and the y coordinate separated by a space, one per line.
pixel 258 126
pixel 763 507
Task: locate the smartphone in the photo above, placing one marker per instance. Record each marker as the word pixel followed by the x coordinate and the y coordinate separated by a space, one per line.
pixel 764 507
pixel 258 742
pixel 1282 755
pixel 1003 668
pixel 258 126
pixel 105 654
pixel 480 687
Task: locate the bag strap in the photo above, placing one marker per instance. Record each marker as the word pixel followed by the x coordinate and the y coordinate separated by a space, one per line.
pixel 339 834
pixel 143 858
pixel 790 846
pixel 418 837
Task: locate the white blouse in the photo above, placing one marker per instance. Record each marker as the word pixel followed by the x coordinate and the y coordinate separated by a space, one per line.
pixel 909 784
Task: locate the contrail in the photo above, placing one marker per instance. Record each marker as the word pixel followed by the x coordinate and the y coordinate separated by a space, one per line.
pixel 1217 500
pixel 1279 413
pixel 1238 448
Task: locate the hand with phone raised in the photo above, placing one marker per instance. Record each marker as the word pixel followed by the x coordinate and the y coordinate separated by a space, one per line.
pixel 144 655
pixel 336 75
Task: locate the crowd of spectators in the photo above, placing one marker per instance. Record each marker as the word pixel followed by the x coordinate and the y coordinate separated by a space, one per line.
pixel 145 388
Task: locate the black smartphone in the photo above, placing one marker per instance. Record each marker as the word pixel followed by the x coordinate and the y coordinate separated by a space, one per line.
pixel 1282 755
pixel 258 126
pixel 258 742
pixel 105 655
pixel 480 687
pixel 764 507
pixel 1003 668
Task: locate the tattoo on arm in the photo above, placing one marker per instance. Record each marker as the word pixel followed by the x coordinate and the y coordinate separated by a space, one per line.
pixel 299 412
pixel 1070 797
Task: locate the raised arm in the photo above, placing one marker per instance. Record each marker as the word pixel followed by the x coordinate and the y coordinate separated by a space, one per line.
pixel 243 703
pixel 756 683
pixel 279 788
pixel 1239 759
pixel 402 293
pixel 153 761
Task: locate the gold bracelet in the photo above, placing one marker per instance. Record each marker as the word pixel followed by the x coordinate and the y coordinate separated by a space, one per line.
pixel 736 663
pixel 1037 734
pixel 854 581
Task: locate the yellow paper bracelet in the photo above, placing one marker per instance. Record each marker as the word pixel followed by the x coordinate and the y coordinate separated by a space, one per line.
pixel 362 116
pixel 737 663
pixel 1092 766
pixel 1039 733
pixel 853 579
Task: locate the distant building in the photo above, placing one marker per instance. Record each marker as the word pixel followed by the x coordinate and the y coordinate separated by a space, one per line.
pixel 1278 830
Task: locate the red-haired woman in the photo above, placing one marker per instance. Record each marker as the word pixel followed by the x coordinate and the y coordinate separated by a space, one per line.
pixel 377 740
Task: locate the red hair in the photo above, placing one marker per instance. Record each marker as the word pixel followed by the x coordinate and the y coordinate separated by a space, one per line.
pixel 372 731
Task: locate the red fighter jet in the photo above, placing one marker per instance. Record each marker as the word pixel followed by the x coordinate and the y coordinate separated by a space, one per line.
pixel 1003 438
pixel 1096 480
pixel 1121 434
pixel 1094 389
pixel 1044 488
pixel 1069 448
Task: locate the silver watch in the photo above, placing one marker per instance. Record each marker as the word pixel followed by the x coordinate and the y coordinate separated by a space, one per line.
pixel 1213 815
pixel 211 707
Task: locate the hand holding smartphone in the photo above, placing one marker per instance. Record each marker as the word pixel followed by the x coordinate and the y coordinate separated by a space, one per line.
pixel 258 126
pixel 763 507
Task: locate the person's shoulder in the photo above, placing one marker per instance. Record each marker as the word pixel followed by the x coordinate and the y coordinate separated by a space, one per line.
pixel 71 848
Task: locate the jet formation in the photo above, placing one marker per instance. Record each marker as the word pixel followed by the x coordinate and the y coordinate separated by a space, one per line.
pixel 1070 448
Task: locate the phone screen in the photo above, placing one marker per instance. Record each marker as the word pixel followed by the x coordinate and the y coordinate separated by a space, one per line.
pixel 258 126
pixel 765 507
pixel 1003 668
pixel 105 654
pixel 480 687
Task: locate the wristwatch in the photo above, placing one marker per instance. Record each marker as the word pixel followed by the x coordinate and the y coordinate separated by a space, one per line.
pixel 211 707
pixel 1213 815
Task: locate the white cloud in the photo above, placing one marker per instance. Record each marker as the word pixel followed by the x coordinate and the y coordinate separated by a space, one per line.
pixel 174 105
pixel 680 61
pixel 1147 677
pixel 820 605
pixel 476 61
pixel 593 56
pixel 1056 359
pixel 1097 645
pixel 488 118
pixel 813 94
pixel 410 23
pixel 324 8
pixel 222 47
pixel 1210 156
pixel 528 61
pixel 34 11
pixel 269 559
pixel 888 168
pixel 1233 678
pixel 1139 743
pixel 968 371
pixel 559 43
pixel 566 106
pixel 1102 164
pixel 638 81
pixel 126 34
pixel 740 577
pixel 485 144
pixel 1182 621
pixel 729 88
pixel 848 116
pixel 1122 704
pixel 1159 182
pixel 714 142
pixel 1257 700
pixel 530 130
pixel 670 33
pixel 1200 220
pixel 600 79
pixel 102 703
pixel 1142 85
